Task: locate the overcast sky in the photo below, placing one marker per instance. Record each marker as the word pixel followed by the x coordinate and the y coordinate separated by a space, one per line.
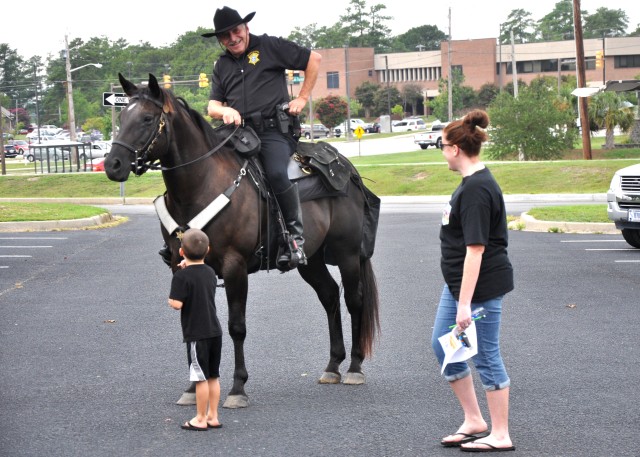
pixel 40 27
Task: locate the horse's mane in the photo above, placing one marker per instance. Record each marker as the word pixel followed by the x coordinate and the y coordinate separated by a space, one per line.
pixel 198 119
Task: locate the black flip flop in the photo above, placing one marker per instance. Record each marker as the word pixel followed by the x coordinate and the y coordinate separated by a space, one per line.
pixel 189 426
pixel 468 437
pixel 214 426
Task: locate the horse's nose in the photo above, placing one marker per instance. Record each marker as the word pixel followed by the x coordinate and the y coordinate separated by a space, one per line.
pixel 113 167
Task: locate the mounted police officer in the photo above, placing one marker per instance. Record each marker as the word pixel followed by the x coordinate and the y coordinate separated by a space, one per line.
pixel 249 86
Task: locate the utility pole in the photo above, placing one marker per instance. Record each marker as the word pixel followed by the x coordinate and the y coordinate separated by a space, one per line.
pixel 513 66
pixel 386 65
pixel 604 66
pixel 582 101
pixel 2 157
pixel 450 76
pixel 347 134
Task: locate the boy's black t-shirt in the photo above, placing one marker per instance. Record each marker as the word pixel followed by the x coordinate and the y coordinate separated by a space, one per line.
pixel 476 214
pixel 195 287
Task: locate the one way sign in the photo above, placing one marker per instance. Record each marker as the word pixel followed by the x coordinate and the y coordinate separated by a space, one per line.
pixel 111 99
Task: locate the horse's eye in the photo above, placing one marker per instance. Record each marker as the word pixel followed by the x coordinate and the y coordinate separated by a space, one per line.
pixel 148 119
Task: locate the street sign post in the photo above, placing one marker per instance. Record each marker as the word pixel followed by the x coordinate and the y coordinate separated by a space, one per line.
pixel 113 99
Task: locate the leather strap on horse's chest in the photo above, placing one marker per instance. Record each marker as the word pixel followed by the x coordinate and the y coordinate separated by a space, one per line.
pixel 205 216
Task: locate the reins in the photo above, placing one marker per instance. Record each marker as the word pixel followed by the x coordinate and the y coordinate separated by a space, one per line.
pixel 140 164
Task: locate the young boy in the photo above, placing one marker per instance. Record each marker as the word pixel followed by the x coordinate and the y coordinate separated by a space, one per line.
pixel 193 291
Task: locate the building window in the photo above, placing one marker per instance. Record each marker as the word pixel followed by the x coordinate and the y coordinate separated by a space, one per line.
pixel 626 61
pixel 333 81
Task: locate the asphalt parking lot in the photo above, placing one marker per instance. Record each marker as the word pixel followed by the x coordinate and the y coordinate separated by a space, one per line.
pixel 92 359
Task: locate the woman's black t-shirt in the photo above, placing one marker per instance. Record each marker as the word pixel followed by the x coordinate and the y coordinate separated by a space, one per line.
pixel 476 214
pixel 195 287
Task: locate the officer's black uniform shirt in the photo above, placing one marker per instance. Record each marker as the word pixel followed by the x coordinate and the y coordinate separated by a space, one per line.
pixel 256 81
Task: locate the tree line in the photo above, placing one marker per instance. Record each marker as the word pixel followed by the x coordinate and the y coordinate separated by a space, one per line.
pixel 39 84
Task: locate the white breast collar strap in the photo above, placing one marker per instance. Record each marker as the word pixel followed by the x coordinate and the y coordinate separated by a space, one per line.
pixel 202 219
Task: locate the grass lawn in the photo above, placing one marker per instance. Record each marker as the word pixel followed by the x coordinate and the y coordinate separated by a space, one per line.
pixel 413 173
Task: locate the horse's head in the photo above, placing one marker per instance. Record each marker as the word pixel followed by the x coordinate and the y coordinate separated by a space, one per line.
pixel 143 130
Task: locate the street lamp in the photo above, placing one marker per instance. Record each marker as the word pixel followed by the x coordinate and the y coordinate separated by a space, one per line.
pixel 72 117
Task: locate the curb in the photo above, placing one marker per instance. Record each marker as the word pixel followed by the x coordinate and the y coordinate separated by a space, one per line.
pixel 531 224
pixel 45 226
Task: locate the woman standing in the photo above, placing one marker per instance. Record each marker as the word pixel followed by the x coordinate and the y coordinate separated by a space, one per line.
pixel 477 273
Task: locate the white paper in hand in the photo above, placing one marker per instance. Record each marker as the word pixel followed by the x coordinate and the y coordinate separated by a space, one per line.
pixel 454 350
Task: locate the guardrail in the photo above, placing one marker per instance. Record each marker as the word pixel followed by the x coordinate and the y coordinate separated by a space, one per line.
pixel 50 157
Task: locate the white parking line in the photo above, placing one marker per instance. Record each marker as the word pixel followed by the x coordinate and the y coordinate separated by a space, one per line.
pixel 32 238
pixel 25 247
pixel 627 261
pixel 593 241
pixel 613 249
pixel 14 256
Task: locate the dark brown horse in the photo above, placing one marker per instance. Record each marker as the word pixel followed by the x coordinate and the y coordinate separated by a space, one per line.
pixel 198 165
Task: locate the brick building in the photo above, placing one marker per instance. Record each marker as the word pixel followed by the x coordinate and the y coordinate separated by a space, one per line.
pixel 481 61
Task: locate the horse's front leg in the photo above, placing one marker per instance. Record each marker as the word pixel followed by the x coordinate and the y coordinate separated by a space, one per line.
pixel 236 285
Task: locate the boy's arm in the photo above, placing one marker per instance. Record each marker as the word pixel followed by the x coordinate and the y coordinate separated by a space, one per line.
pixel 175 304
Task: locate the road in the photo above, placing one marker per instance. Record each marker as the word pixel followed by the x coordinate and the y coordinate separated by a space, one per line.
pixel 92 359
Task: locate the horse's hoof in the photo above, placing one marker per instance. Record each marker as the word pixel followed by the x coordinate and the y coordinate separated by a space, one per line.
pixel 354 379
pixel 236 401
pixel 329 378
pixel 187 398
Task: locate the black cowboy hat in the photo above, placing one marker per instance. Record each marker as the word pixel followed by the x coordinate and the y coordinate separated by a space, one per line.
pixel 225 19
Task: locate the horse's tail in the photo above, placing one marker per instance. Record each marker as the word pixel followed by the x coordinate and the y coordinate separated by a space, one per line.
pixel 370 323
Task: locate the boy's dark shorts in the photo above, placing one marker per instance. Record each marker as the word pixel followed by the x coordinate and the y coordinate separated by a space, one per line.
pixel 204 358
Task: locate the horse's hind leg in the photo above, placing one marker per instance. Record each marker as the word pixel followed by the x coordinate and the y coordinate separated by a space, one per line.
pixel 350 273
pixel 316 274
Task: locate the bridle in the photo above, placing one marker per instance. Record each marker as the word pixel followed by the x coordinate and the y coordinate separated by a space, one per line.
pixel 142 163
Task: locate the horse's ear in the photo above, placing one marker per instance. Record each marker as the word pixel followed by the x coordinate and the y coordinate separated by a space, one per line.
pixel 154 87
pixel 128 86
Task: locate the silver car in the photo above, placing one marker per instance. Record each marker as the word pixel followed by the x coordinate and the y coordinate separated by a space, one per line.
pixel 623 203
pixel 45 152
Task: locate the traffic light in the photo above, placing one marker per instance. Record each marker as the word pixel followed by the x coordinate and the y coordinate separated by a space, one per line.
pixel 203 81
pixel 599 59
pixel 167 81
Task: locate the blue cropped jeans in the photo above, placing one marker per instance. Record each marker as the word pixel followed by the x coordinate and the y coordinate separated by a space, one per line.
pixel 488 361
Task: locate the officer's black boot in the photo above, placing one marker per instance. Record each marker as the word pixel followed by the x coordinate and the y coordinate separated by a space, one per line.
pixel 165 253
pixel 289 202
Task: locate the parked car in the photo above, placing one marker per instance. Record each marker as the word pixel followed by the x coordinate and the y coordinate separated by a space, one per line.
pixel 409 125
pixel 337 131
pixel 373 128
pixel 95 150
pixel 21 146
pixel 10 150
pixel 623 203
pixel 319 131
pixel 97 164
pixel 7 136
pixel 44 152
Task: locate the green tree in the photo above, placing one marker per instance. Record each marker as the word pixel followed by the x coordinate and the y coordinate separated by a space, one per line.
pixel 487 93
pixel 366 93
pixel 519 21
pixel 425 37
pixel 558 24
pixel 306 36
pixel 608 110
pixel 411 96
pixel 331 110
pixel 385 98
pixel 533 126
pixel 605 21
pixel 366 27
